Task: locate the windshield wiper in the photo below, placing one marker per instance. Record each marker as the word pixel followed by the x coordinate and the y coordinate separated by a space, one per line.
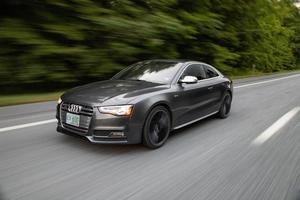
pixel 132 79
pixel 139 80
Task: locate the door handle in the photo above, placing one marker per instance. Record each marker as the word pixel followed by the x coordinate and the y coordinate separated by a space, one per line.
pixel 210 88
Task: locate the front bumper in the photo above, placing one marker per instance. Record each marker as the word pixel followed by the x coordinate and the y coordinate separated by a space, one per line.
pixel 100 128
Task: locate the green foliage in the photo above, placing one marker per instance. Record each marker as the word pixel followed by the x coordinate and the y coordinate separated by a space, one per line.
pixel 54 43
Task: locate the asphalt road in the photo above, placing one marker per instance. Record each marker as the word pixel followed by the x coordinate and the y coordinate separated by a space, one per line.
pixel 253 154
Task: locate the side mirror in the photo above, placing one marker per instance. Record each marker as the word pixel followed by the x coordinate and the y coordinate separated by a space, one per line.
pixel 189 80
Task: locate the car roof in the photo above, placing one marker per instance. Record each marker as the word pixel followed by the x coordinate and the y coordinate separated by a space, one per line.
pixel 174 60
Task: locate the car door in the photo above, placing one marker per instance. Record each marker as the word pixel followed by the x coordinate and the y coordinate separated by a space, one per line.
pixel 215 86
pixel 192 100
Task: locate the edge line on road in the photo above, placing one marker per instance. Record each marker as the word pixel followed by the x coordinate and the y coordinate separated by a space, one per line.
pixel 274 128
pixel 267 81
pixel 27 125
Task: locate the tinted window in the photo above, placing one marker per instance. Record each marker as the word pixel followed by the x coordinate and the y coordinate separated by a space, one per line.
pixel 210 72
pixel 151 71
pixel 194 70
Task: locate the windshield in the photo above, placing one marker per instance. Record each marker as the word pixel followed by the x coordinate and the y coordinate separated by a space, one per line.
pixel 150 71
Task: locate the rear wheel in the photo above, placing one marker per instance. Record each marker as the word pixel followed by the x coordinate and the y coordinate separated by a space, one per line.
pixel 157 127
pixel 225 106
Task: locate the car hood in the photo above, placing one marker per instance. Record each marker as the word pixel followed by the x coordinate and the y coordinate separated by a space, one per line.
pixel 110 92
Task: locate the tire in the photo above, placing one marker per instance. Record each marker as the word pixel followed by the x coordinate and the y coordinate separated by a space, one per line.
pixel 157 127
pixel 225 106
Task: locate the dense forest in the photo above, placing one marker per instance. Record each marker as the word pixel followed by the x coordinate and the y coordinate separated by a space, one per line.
pixel 52 44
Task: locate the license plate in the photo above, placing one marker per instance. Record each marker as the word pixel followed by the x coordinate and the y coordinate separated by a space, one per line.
pixel 72 119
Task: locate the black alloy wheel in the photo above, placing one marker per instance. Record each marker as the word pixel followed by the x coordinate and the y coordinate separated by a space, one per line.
pixel 225 106
pixel 157 127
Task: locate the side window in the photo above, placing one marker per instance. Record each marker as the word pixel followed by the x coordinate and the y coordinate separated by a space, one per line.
pixel 210 72
pixel 194 70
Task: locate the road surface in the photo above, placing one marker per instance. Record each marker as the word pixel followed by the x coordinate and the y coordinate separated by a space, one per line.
pixel 253 154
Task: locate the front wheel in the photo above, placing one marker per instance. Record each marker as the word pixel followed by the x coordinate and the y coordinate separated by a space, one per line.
pixel 225 106
pixel 157 127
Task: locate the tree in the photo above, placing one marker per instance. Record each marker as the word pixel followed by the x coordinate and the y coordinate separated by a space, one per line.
pixel 56 43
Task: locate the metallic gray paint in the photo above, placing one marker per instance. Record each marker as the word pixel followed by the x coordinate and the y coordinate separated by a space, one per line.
pixel 186 103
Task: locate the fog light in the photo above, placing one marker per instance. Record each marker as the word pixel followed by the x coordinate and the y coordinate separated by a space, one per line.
pixel 117 134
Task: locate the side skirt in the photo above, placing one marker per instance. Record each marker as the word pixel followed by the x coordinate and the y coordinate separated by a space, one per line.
pixel 191 122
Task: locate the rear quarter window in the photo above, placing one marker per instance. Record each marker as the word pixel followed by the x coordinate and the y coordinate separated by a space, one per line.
pixel 210 72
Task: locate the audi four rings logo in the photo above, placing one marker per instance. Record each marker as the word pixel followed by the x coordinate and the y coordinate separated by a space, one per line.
pixel 74 108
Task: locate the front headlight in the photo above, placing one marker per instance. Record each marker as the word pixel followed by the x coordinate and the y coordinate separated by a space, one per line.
pixel 125 110
pixel 59 101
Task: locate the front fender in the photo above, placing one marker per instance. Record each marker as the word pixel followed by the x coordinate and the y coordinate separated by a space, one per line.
pixel 143 108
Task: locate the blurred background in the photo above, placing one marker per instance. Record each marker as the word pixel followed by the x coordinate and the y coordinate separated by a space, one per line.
pixel 51 45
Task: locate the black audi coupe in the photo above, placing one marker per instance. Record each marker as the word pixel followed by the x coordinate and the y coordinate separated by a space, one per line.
pixel 144 102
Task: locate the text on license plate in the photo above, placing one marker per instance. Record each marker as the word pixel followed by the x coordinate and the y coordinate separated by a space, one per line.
pixel 72 119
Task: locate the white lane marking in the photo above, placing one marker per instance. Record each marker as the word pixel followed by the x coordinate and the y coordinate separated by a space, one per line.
pixel 54 120
pixel 268 133
pixel 267 81
pixel 27 125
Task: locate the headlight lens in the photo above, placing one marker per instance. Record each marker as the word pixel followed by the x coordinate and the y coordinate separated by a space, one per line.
pixel 59 100
pixel 125 110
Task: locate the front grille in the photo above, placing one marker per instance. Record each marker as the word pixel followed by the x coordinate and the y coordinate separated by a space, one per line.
pixel 85 110
pixel 86 114
pixel 75 128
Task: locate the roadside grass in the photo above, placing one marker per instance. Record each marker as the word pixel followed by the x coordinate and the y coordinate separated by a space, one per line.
pixel 250 74
pixel 6 100
pixel 15 99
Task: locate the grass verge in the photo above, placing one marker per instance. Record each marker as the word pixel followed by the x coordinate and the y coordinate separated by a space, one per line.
pixel 259 74
pixel 6 100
